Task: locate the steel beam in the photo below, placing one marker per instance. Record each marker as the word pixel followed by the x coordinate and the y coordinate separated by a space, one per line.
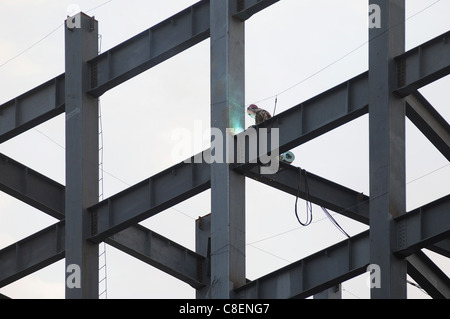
pixel 351 257
pixel 31 187
pixel 297 125
pixel 159 43
pixel 81 157
pixel 422 227
pixel 227 186
pixel 147 198
pixel 429 276
pixel 48 246
pixel 331 293
pixel 322 192
pixel 161 253
pixel 247 8
pixel 387 148
pixel 136 242
pixel 313 274
pixel 203 247
pixel 32 253
pixel 317 116
pixel 423 65
pixel 140 242
pixel 442 247
pixel 149 48
pixel 47 195
pixel 429 122
pixel 32 108
pixel 128 59
pixel 47 100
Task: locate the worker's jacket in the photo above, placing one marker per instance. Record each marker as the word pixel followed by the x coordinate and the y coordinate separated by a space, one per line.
pixel 261 116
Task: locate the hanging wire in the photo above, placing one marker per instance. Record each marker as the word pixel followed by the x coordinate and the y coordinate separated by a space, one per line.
pixel 334 222
pixel 309 216
pixel 417 286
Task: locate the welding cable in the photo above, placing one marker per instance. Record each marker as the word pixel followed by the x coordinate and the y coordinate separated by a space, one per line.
pixel 309 216
pixel 334 222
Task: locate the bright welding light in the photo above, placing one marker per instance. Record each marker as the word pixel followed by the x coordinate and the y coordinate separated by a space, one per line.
pixel 238 130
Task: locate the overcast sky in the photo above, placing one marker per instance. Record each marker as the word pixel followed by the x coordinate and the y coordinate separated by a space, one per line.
pixel 285 45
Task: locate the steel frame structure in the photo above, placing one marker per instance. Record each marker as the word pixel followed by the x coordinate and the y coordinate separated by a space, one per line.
pixel 387 93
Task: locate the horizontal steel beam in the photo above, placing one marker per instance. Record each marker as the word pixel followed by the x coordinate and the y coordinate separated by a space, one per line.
pixel 32 253
pixel 442 247
pixel 149 48
pixel 423 65
pixel 31 187
pixel 297 125
pixel 148 246
pixel 117 65
pixel 416 68
pixel 147 198
pixel 160 252
pixel 159 43
pixel 314 117
pixel 350 258
pixel 247 8
pixel 429 122
pixel 423 226
pixel 429 276
pixel 32 108
pixel 313 274
pixel 47 195
pixel 47 246
pixel 322 192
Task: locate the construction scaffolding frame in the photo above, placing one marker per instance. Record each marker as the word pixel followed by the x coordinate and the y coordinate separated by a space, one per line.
pixel 388 93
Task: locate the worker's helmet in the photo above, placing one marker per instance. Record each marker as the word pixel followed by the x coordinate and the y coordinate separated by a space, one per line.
pixel 251 110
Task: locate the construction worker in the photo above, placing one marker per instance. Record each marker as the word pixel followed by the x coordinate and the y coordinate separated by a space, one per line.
pixel 261 116
pixel 258 114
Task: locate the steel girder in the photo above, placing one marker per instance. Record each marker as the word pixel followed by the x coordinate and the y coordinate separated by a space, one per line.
pixel 429 122
pixel 31 187
pixel 19 259
pixel 32 108
pixel 147 198
pixel 149 48
pixel 416 68
pixel 430 277
pixel 47 100
pixel 159 43
pixel 48 246
pixel 341 199
pixel 113 67
pixel 423 65
pixel 32 253
pixel 314 273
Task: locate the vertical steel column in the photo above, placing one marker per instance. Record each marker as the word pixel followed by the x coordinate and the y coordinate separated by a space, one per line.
pixel 227 187
pixel 203 247
pixel 81 38
pixel 387 148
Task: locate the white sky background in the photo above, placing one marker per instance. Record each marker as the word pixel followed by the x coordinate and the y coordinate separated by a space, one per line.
pixel 285 44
